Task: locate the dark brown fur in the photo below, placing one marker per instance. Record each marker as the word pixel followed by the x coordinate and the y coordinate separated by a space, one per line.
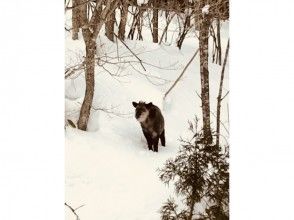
pixel 152 123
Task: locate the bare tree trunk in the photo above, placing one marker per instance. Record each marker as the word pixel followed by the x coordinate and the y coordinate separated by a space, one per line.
pixel 139 25
pixel 168 18
pixel 123 21
pixel 79 16
pixel 75 20
pixel 219 97
pixel 184 33
pixel 155 21
pixel 219 42
pixel 191 205
pixel 190 217
pixel 90 84
pixel 96 17
pixel 134 24
pixel 109 26
pixel 90 37
pixel 203 47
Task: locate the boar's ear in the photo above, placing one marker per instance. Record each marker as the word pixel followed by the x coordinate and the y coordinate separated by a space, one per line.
pixel 149 104
pixel 135 104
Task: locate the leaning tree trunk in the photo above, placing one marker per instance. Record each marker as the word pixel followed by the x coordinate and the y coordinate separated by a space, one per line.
pixel 203 47
pixel 155 21
pixel 185 32
pixel 123 21
pixel 90 84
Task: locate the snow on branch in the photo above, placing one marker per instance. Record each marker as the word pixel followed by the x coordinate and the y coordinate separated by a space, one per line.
pixel 142 2
pixel 205 9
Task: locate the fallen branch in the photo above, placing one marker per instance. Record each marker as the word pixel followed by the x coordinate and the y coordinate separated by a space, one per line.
pixel 182 73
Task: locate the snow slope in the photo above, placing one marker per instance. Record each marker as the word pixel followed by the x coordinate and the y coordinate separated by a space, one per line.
pixel 109 169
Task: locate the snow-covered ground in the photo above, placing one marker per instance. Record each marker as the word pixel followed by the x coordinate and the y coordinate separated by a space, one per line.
pixel 109 169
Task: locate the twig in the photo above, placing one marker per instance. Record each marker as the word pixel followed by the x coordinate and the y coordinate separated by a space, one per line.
pixel 166 28
pixel 225 95
pixel 182 73
pixel 79 207
pixel 130 51
pixel 110 111
pixel 227 130
pixel 73 210
pixel 71 70
pixel 76 6
pixel 150 76
pixel 215 116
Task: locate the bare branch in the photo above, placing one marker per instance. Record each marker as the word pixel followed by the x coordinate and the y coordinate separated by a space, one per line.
pixel 74 210
pixel 182 73
pixel 130 51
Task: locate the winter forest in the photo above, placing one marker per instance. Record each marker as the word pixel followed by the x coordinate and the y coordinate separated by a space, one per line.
pixel 146 109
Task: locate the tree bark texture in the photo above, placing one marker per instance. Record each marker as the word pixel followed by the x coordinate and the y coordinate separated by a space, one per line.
pixel 203 47
pixel 155 21
pixel 79 17
pixel 90 36
pixel 90 84
pixel 109 26
pixel 136 24
pixel 219 42
pixel 168 20
pixel 219 98
pixel 185 31
pixel 75 20
pixel 123 21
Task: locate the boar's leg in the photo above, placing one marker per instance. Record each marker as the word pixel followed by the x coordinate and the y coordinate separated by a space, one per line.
pixel 162 138
pixel 155 143
pixel 149 140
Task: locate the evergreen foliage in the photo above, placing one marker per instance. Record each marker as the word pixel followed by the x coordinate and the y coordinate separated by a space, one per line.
pixel 200 173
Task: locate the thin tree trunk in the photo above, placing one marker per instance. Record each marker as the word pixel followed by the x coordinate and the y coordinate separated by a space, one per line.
pixel 203 47
pixel 155 21
pixel 139 25
pixel 75 20
pixel 90 84
pixel 168 20
pixel 219 42
pixel 134 24
pixel 219 97
pixel 191 206
pixel 185 31
pixel 109 26
pixel 123 21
